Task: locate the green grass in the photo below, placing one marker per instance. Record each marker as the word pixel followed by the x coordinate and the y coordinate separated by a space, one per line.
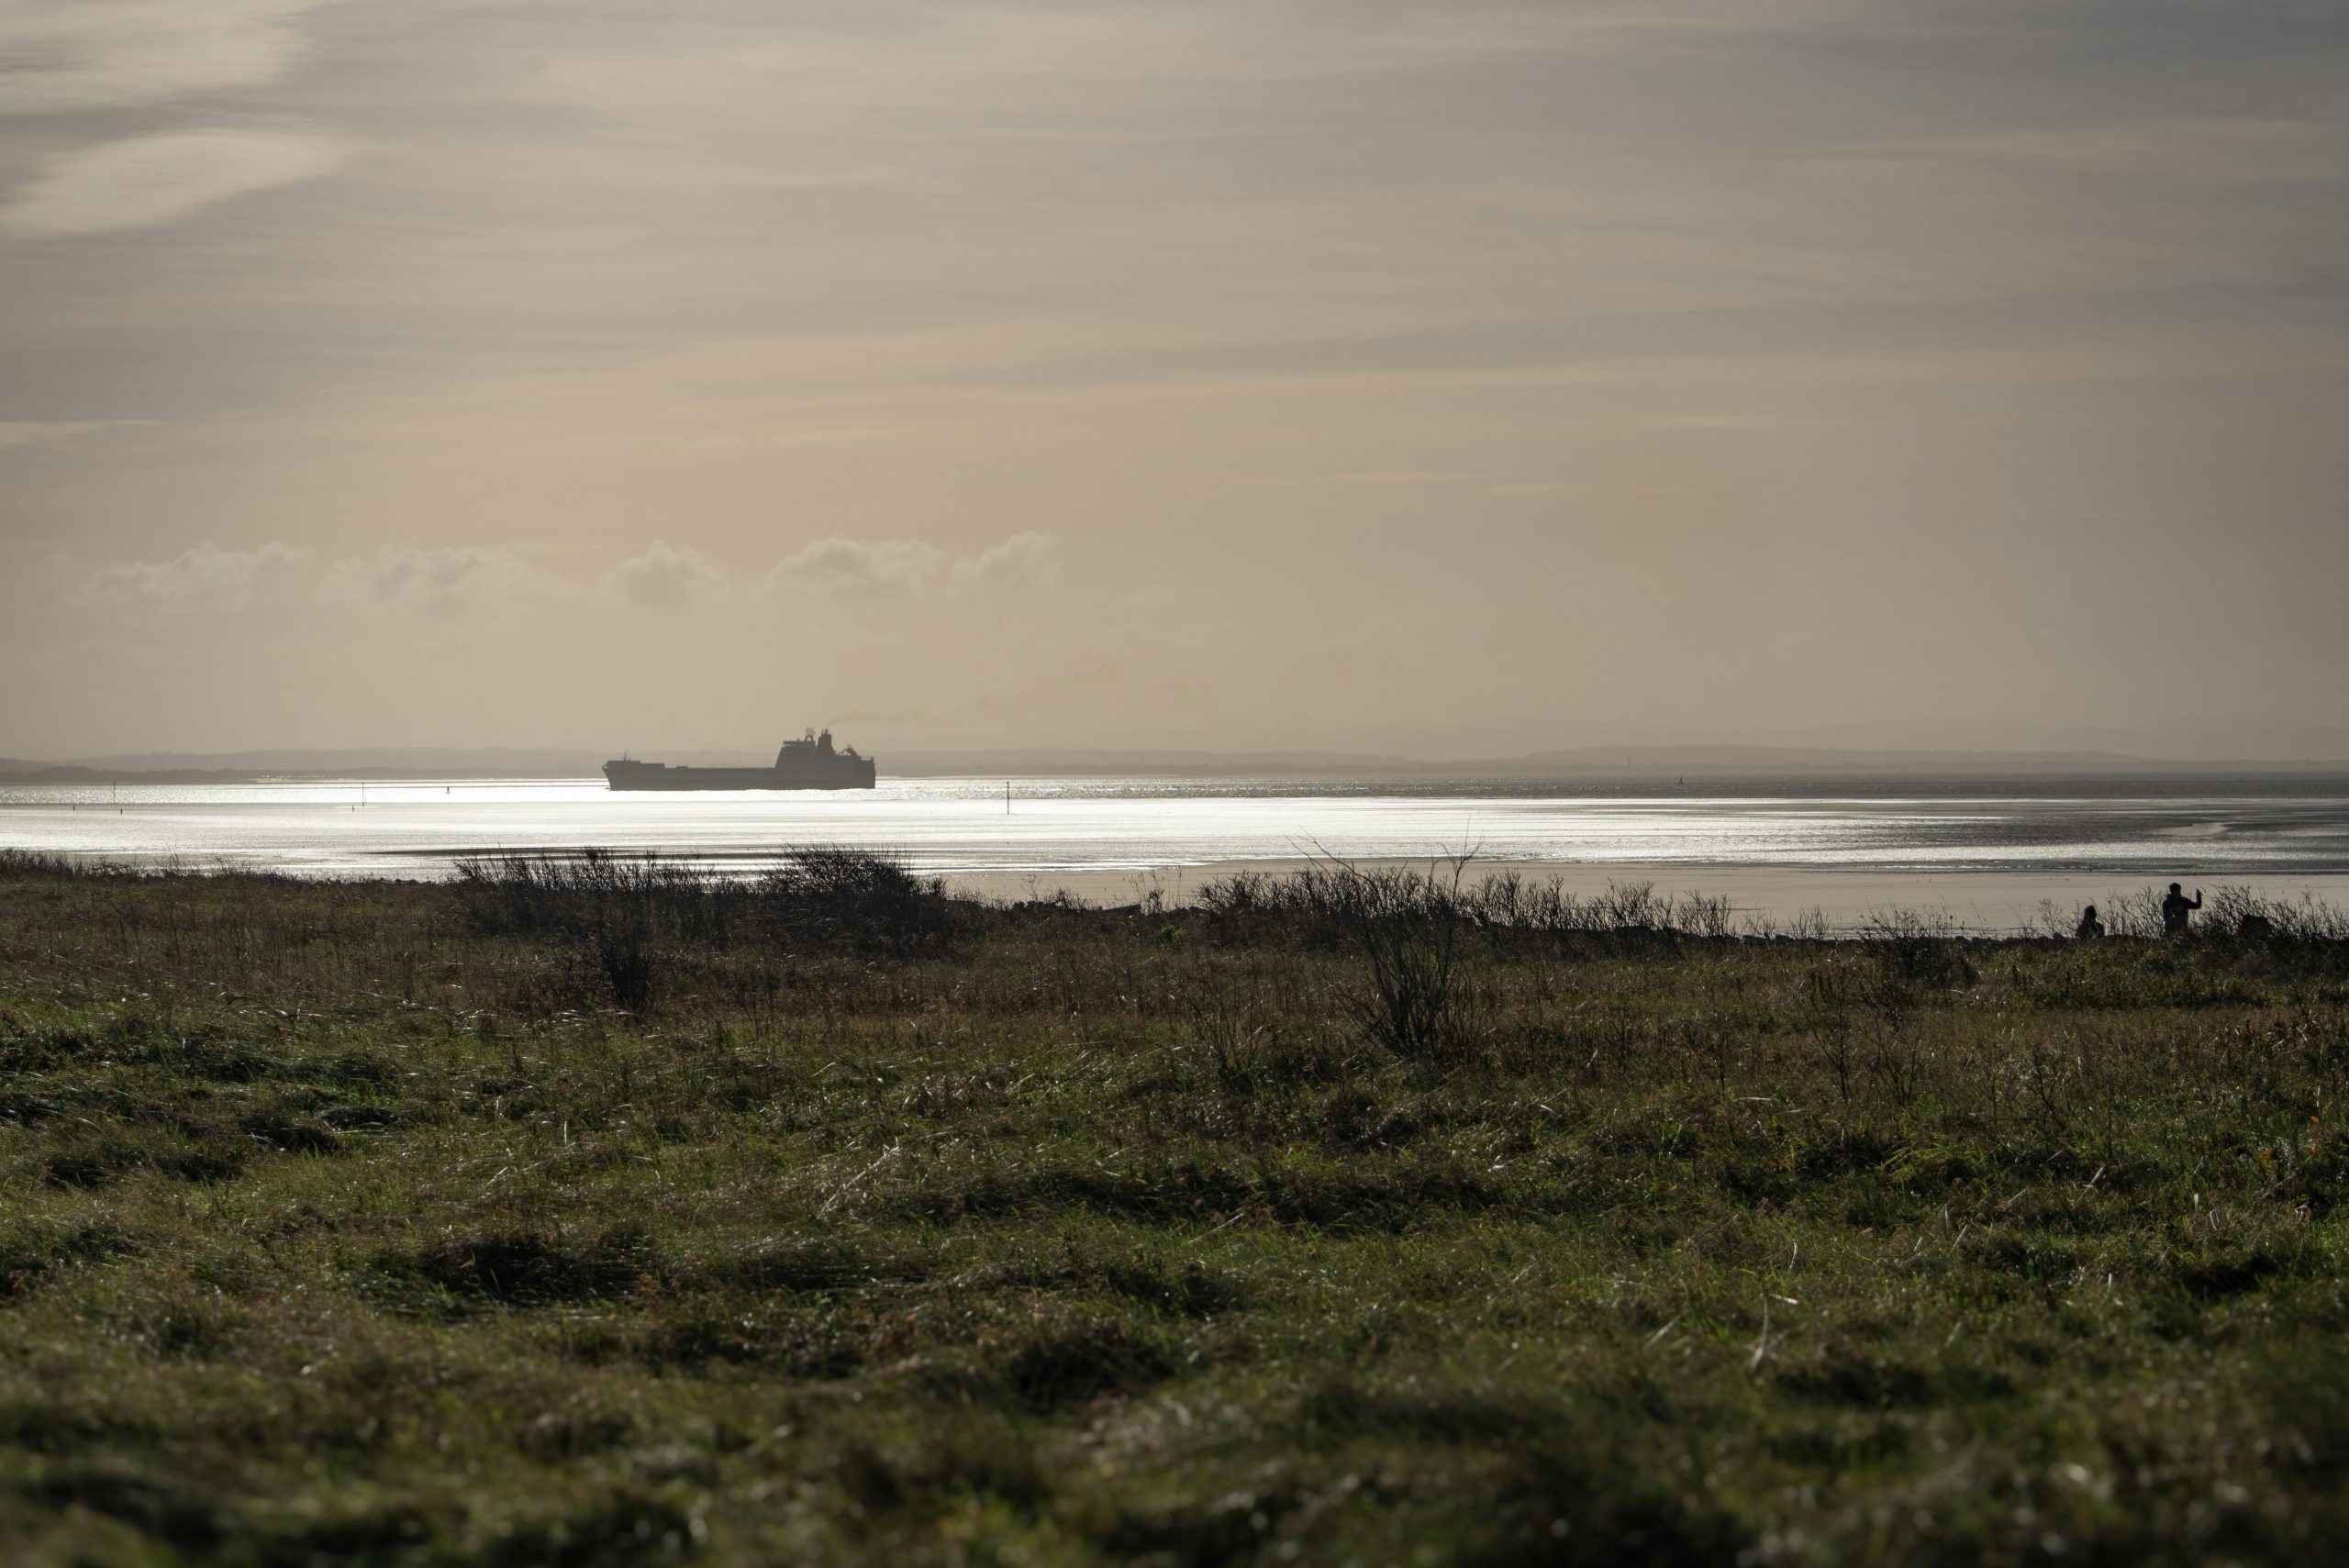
pixel 357 1223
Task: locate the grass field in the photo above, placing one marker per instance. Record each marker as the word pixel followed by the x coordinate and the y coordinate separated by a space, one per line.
pixel 615 1218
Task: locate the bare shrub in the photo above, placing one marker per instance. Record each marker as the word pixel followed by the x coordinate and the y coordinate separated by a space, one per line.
pixel 1706 916
pixel 2136 914
pixel 1633 906
pixel 624 951
pixel 27 864
pixel 1809 926
pixel 1916 954
pixel 1407 926
pixel 853 898
pixel 1329 896
pixel 631 915
pixel 613 908
pixel 1233 1014
pixel 2239 913
pixel 568 894
pixel 1240 895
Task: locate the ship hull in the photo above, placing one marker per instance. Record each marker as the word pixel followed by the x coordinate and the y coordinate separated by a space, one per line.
pixel 838 773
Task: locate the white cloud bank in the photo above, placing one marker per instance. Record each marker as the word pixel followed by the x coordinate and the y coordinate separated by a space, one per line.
pixel 433 582
pixel 665 577
pixel 450 580
pixel 896 568
pixel 207 576
pixel 148 180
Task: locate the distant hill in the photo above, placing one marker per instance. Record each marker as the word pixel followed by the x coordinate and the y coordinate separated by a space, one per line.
pixel 1099 763
pixel 16 771
pixel 243 767
pixel 1765 760
pixel 1639 761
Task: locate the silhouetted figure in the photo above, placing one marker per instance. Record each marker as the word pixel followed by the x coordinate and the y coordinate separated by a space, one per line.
pixel 2176 908
pixel 2090 927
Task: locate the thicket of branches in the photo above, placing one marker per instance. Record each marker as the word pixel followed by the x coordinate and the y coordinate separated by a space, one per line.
pixel 631 911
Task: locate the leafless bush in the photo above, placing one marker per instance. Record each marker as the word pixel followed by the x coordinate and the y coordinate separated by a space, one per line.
pixel 1809 926
pixel 1631 906
pixel 2238 912
pixel 1407 926
pixel 615 909
pixel 631 914
pixel 853 898
pixel 2135 914
pixel 1240 895
pixel 577 895
pixel 624 953
pixel 811 895
pixel 1910 926
pixel 1806 924
pixel 1916 953
pixel 1700 915
pixel 1236 1016
pixel 1504 900
pixel 28 863
pixel 2053 920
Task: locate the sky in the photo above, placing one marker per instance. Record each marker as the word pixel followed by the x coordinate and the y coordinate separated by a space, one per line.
pixel 1447 377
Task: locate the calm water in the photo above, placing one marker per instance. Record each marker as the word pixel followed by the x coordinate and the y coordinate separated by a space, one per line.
pixel 1985 849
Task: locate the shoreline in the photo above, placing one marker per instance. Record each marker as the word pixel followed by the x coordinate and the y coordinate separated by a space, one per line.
pixel 1844 899
pixel 1989 903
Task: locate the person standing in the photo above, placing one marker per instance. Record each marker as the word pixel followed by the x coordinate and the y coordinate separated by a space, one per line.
pixel 2090 927
pixel 2176 908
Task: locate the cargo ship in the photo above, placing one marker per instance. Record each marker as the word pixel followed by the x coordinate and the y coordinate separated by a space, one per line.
pixel 808 763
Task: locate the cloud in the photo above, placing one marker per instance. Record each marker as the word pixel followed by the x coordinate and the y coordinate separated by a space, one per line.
pixel 862 568
pixel 1023 560
pixel 450 580
pixel 205 577
pixel 148 180
pixel 61 55
pixel 665 577
pixel 436 581
pixel 901 568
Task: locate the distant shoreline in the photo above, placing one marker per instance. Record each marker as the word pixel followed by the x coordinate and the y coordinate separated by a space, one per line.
pixel 1987 903
pixel 1637 768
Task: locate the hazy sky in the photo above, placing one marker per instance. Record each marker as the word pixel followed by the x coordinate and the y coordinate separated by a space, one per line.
pixel 1452 376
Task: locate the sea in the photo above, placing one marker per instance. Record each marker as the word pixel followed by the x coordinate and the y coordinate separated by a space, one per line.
pixel 1984 854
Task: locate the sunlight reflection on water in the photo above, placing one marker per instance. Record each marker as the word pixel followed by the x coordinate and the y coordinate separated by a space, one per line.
pixel 960 827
